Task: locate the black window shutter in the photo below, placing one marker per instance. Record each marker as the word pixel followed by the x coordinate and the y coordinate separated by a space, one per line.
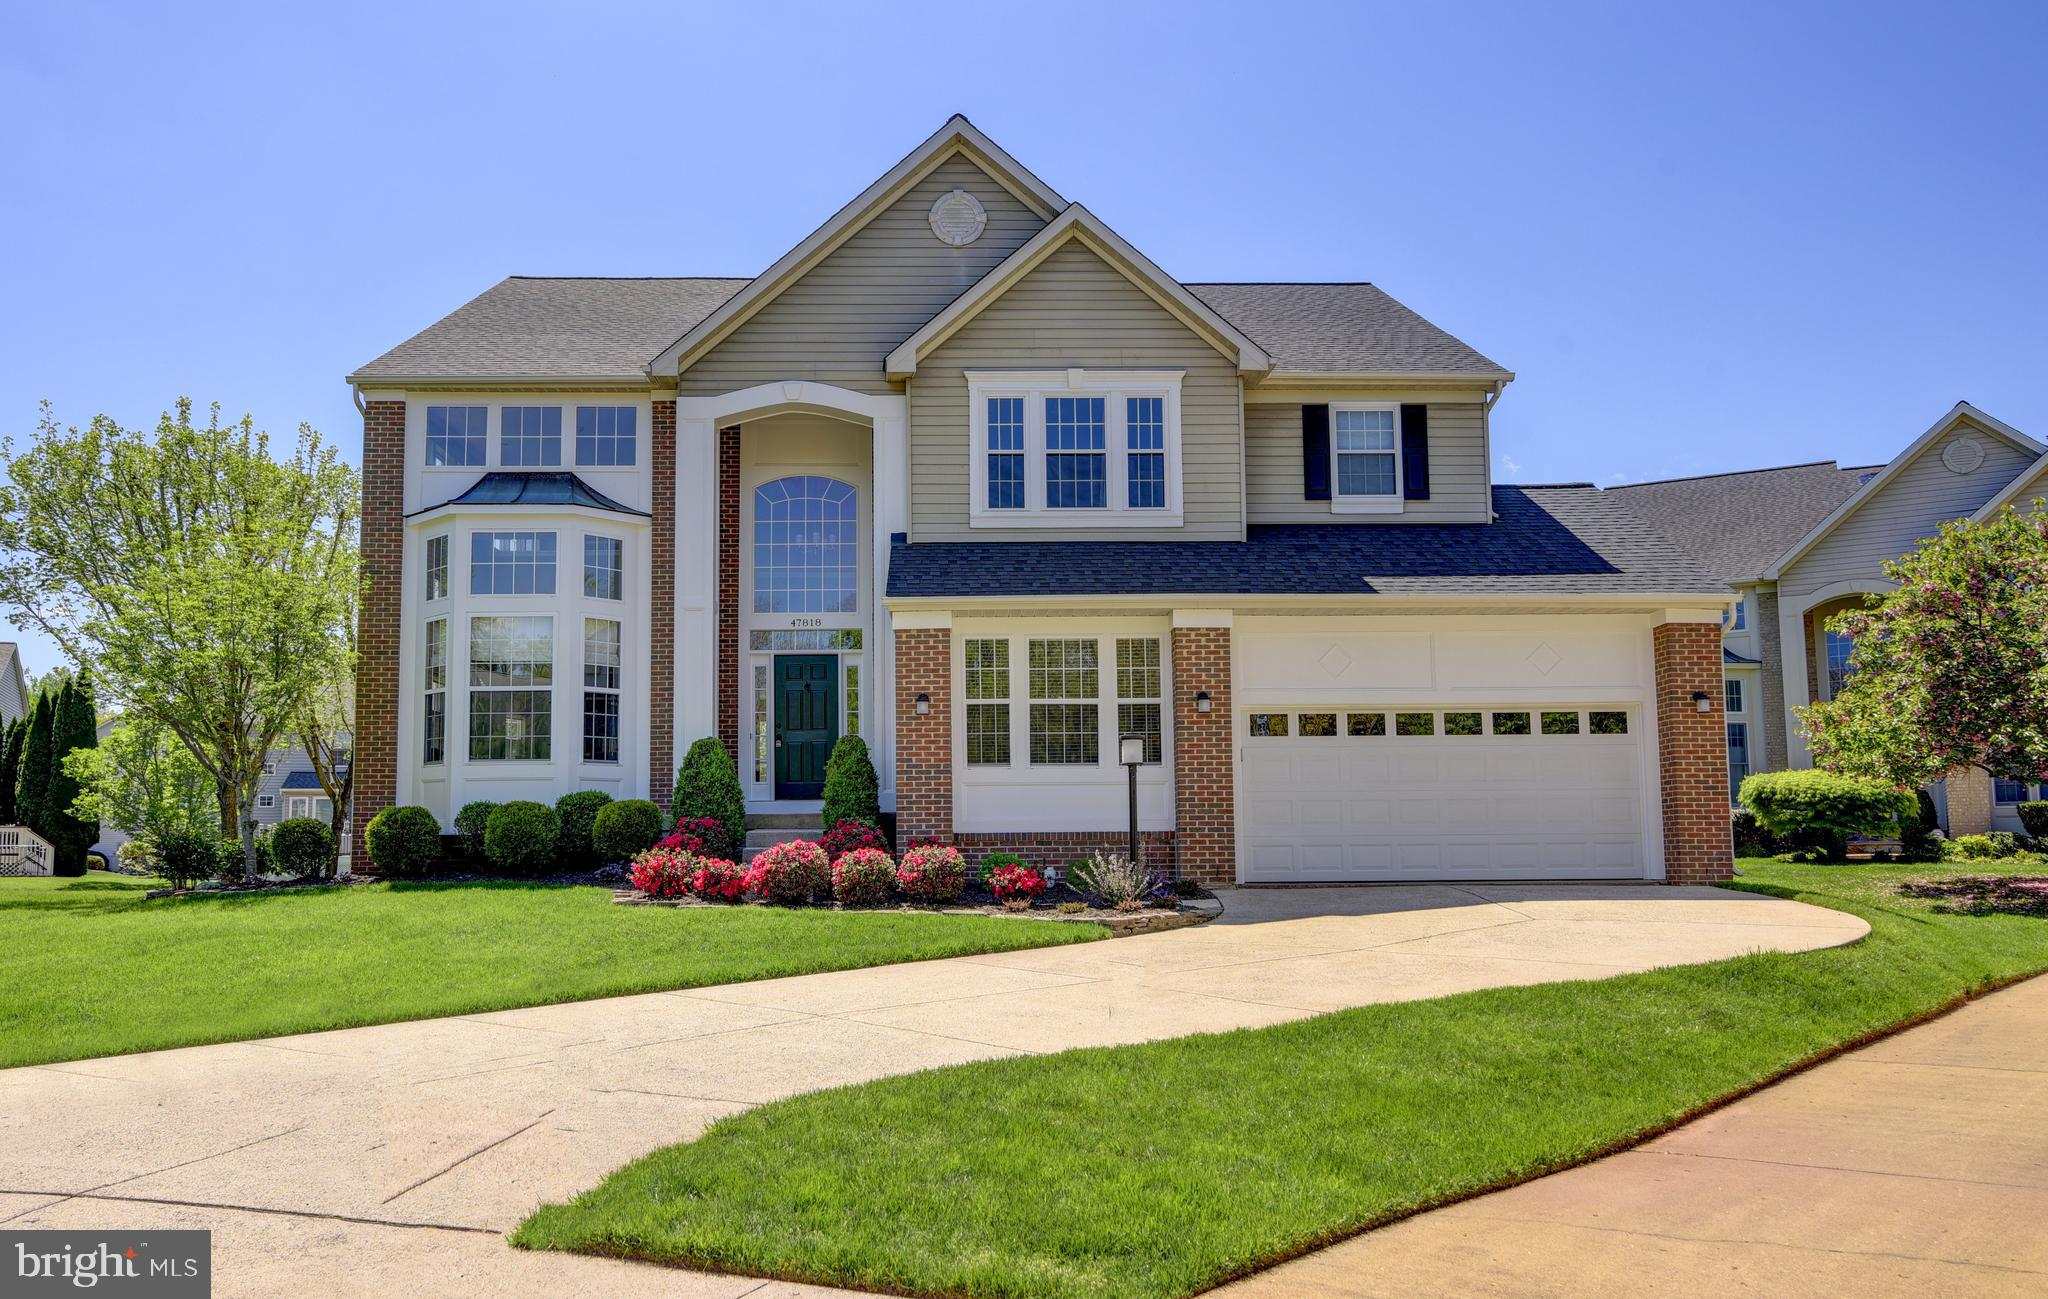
pixel 1315 453
pixel 1415 452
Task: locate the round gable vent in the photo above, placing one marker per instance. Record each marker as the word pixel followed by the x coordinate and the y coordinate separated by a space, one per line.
pixel 1963 455
pixel 958 218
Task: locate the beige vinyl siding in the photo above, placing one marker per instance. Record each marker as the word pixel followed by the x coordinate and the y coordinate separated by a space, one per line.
pixel 1457 468
pixel 1073 310
pixel 839 321
pixel 1914 504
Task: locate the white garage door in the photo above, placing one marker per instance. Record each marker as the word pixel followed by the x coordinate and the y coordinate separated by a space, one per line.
pixel 1428 793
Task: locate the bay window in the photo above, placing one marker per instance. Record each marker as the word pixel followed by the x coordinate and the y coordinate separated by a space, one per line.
pixel 603 568
pixel 434 718
pixel 437 567
pixel 1074 448
pixel 511 688
pixel 601 662
pixel 512 563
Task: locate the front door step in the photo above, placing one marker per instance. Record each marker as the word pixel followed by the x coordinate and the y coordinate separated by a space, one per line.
pixel 761 840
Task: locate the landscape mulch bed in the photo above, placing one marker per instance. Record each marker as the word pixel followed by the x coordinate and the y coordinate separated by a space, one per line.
pixel 1165 913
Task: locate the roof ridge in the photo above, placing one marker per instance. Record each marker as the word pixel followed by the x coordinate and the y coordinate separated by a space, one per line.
pixel 630 277
pixel 1526 486
pixel 1726 473
pixel 1288 284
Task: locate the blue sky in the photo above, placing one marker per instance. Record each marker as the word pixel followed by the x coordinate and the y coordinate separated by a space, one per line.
pixel 1705 237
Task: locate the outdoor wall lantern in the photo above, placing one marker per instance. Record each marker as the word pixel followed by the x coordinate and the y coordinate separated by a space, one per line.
pixel 1202 701
pixel 1130 750
pixel 1702 701
pixel 924 704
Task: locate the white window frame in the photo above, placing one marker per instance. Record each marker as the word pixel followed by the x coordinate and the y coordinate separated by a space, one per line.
pixel 1034 386
pixel 1732 698
pixel 266 801
pixel 1391 504
pixel 308 805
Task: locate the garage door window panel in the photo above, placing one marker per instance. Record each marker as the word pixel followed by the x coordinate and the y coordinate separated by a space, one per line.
pixel 1268 725
pixel 1511 724
pixel 1365 724
pixel 1415 723
pixel 1560 723
pixel 1318 724
pixel 1462 724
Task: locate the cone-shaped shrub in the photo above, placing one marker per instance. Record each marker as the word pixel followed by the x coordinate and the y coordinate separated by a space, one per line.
pixel 852 791
pixel 708 787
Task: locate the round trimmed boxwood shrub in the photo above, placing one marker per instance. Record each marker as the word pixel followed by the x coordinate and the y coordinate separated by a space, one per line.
pixel 708 788
pixel 625 829
pixel 470 823
pixel 990 863
pixel 523 838
pixel 852 791
pixel 404 842
pixel 863 878
pixel 933 872
pixel 577 814
pixel 1821 811
pixel 792 873
pixel 301 847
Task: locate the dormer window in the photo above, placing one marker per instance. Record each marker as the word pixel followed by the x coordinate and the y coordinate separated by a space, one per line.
pixel 1074 448
pixel 1365 450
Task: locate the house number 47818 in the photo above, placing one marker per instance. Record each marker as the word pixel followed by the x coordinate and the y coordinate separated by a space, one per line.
pixel 807 622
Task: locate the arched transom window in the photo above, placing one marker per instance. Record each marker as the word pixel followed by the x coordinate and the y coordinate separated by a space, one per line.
pixel 806 546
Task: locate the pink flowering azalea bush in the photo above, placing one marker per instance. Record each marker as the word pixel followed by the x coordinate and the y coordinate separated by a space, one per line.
pixel 718 880
pixel 1016 883
pixel 663 872
pixel 863 877
pixel 698 836
pixel 792 873
pixel 850 836
pixel 932 872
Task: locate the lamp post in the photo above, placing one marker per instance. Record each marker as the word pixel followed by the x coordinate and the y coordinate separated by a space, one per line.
pixel 1130 750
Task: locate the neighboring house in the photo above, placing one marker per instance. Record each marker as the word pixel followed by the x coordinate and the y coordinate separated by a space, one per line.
pixel 14 696
pixel 1802 543
pixel 967 474
pixel 290 787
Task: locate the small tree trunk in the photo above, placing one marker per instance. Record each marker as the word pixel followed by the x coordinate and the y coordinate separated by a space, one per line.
pixel 230 809
pixel 338 824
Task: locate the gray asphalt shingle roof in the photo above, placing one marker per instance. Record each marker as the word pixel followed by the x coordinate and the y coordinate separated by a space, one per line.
pixel 1342 329
pixel 531 327
pixel 1567 540
pixel 1737 524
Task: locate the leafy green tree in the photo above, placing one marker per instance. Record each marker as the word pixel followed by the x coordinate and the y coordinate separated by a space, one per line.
pixel 142 779
pixel 1951 667
pixel 198 576
pixel 38 760
pixel 10 767
pixel 71 729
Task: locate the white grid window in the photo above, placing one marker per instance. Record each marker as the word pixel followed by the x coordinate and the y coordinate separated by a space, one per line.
pixel 603 568
pixel 601 665
pixel 1052 446
pixel 806 546
pixel 1145 457
pixel 606 435
pixel 434 731
pixel 512 563
pixel 988 703
pixel 530 435
pixel 1731 692
pixel 456 435
pixel 437 567
pixel 511 688
pixel 1365 441
pixel 1076 468
pixel 852 674
pixel 1065 682
pixel 1006 453
pixel 1138 681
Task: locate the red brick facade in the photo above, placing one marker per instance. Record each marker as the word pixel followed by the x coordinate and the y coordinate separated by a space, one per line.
pixel 377 621
pixel 729 589
pixel 1057 848
pixel 1692 754
pixel 1205 803
pixel 661 610
pixel 924 745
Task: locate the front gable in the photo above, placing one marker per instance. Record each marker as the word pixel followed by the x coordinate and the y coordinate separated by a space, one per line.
pixel 1950 472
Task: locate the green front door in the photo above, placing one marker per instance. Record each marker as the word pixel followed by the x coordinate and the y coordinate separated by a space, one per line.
pixel 806 722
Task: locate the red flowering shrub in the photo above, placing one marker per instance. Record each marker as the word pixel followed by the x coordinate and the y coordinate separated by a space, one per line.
pixel 863 877
pixel 1008 882
pixel 663 872
pixel 850 836
pixel 718 880
pixel 700 837
pixel 933 872
pixel 793 872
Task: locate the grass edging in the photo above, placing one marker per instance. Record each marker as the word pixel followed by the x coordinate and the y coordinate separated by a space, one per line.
pixel 934 1218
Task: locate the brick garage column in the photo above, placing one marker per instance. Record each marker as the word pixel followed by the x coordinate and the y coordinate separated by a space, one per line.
pixel 1969 801
pixel 377 620
pixel 661 611
pixel 729 702
pixel 924 745
pixel 1692 754
pixel 1204 792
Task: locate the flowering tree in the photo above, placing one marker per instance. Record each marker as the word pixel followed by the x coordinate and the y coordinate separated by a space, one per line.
pixel 1951 669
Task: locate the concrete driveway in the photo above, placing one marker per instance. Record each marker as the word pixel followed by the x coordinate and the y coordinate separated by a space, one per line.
pixel 393 1159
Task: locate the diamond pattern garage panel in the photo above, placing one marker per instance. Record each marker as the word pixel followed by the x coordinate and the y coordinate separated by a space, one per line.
pixel 1429 793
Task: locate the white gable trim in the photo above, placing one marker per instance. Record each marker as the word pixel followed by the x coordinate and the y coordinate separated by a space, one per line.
pixel 1077 222
pixel 1961 412
pixel 957 136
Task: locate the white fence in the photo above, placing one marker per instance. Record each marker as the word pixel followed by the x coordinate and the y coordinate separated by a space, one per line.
pixel 24 852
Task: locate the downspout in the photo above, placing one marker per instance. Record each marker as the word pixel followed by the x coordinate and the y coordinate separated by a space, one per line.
pixel 1486 443
pixel 355 390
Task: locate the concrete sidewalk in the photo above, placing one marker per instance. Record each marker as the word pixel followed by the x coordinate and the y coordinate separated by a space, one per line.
pixel 392 1159
pixel 1913 1169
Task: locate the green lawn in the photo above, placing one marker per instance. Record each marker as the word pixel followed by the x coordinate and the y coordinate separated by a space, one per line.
pixel 93 968
pixel 1163 1169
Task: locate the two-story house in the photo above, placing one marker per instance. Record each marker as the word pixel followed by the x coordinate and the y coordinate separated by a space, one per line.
pixel 1801 543
pixel 967 474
